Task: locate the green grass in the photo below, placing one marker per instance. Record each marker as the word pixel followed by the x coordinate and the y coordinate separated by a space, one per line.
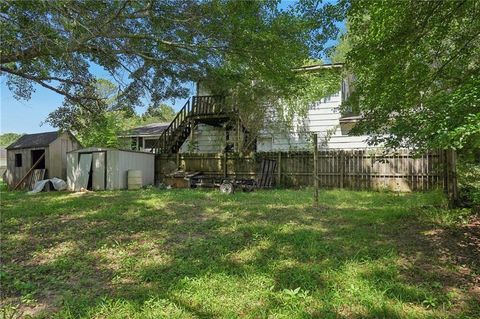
pixel 202 254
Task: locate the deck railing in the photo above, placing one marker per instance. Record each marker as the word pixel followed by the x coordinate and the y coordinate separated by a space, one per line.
pixel 208 105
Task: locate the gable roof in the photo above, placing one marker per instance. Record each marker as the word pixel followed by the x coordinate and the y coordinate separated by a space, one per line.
pixel 34 140
pixel 146 130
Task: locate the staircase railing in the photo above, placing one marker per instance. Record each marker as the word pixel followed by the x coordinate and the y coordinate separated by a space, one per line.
pixel 166 136
pixel 199 106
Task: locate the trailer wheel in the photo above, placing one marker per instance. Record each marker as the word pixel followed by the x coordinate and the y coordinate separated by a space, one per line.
pixel 227 188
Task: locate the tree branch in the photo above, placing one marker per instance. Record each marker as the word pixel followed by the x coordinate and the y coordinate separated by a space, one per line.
pixel 77 99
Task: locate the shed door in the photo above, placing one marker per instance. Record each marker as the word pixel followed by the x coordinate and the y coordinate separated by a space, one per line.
pixel 98 170
pixel 83 171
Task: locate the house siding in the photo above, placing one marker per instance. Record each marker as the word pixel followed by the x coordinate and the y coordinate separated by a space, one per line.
pixel 208 139
pixel 323 118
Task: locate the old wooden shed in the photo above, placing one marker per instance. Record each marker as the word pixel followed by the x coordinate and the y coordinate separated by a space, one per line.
pixel 38 156
pixel 107 168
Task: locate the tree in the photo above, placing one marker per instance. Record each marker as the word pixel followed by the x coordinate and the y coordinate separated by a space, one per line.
pixel 8 138
pixel 417 72
pixel 153 47
pixel 100 128
pixel 339 52
pixel 162 113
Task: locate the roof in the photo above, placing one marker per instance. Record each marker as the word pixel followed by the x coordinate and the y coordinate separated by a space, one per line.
pixel 105 149
pixel 147 130
pixel 34 140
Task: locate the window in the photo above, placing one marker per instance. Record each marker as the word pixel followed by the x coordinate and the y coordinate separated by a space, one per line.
pixel 18 160
pixel 149 144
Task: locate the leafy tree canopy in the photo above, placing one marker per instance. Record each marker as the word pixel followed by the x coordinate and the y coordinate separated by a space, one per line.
pixel 417 67
pixel 153 47
pixel 100 128
pixel 162 113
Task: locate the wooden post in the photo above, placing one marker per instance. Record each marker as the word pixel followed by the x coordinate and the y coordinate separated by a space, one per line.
pixel 315 170
pixel 192 132
pixel 225 154
pixel 178 160
pixel 279 169
pixel 342 167
pixel 239 138
pixel 454 176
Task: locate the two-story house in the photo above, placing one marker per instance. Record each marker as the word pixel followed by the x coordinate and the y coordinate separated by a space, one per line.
pixel 206 125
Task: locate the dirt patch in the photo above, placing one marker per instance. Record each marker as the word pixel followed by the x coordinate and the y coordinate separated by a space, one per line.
pixel 449 255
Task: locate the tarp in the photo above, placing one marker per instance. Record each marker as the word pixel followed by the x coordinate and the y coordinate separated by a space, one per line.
pixel 58 184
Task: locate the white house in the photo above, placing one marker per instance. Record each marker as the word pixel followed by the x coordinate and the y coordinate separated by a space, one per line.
pixel 324 118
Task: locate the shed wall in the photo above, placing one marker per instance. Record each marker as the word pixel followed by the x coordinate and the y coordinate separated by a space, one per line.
pixel 117 165
pixel 14 174
pixel 135 161
pixel 58 155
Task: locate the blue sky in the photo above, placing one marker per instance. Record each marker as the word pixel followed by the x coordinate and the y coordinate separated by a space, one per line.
pixel 20 116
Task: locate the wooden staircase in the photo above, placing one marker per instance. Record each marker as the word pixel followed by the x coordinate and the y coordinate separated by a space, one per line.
pixel 210 110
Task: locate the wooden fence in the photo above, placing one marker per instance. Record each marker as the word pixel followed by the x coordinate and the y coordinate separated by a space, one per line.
pixel 358 169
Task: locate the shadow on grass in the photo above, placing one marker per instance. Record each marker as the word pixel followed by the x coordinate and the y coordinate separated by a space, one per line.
pixel 202 254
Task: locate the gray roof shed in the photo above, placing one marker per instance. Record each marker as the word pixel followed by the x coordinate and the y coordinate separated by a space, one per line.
pixel 34 140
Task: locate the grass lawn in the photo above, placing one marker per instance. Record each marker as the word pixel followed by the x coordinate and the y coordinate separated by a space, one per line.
pixel 267 254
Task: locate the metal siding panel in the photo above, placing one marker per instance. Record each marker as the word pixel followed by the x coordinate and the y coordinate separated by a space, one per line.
pixel 98 171
pixel 71 167
pixel 112 169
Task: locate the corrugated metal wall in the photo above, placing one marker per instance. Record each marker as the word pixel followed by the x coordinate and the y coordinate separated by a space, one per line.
pixel 135 160
pixel 118 162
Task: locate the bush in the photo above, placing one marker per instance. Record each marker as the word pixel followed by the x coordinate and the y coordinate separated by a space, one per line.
pixel 468 172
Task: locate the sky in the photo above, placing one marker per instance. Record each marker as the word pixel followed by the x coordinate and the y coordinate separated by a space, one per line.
pixel 28 116
pixel 20 116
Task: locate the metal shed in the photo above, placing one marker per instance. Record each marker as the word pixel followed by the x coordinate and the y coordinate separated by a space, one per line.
pixel 107 168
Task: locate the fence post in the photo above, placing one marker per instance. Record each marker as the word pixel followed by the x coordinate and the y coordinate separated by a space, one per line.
pixel 279 169
pixel 454 175
pixel 342 168
pixel 315 170
pixel 225 164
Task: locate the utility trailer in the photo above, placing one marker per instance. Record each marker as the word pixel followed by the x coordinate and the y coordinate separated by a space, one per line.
pixel 226 185
pixel 229 185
